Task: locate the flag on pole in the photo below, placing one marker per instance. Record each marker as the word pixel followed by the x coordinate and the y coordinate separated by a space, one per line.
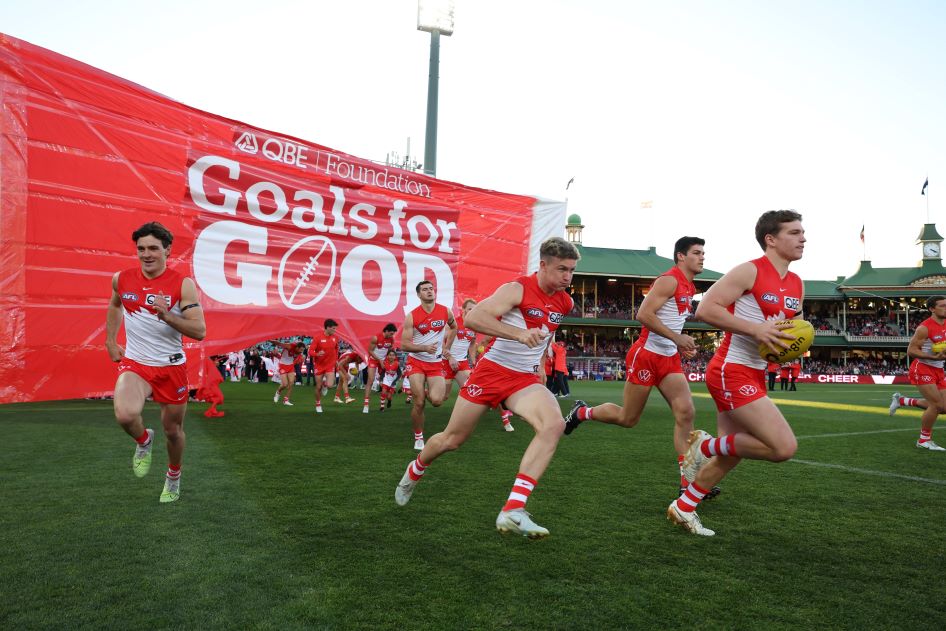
pixel 925 184
pixel 862 233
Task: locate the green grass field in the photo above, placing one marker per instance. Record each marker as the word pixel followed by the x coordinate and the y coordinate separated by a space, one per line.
pixel 287 520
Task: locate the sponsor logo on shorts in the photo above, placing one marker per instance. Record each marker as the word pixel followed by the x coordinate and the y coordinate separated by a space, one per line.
pixel 926 378
pixel 474 390
pixel 748 390
pixel 556 318
pixel 770 298
pixel 130 295
pixel 534 312
pixel 792 303
pixel 644 375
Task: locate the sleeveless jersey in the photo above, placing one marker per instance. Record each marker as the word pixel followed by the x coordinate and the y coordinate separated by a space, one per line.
pixel 537 310
pixel 384 345
pixel 327 343
pixel 287 358
pixel 771 298
pixel 428 329
pixel 937 333
pixel 150 341
pixel 390 368
pixel 460 348
pixel 673 314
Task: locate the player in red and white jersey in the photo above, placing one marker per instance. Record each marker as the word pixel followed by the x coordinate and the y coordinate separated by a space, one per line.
pixel 324 353
pixel 654 359
pixel 926 371
pixel 378 347
pixel 159 307
pixel 462 352
pixel 427 330
pixel 390 371
pixel 747 303
pixel 344 360
pixel 290 354
pixel 522 315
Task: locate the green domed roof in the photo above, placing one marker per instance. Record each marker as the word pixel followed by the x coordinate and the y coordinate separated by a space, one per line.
pixel 574 220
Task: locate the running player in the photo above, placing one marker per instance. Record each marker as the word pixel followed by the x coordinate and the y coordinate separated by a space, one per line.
pixel 422 336
pixel 747 303
pixel 926 371
pixel 654 359
pixel 378 347
pixel 522 315
pixel 324 353
pixel 391 370
pixel 462 352
pixel 346 358
pixel 159 306
pixel 292 353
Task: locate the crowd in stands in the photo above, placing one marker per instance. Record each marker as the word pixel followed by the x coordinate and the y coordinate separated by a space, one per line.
pixel 611 308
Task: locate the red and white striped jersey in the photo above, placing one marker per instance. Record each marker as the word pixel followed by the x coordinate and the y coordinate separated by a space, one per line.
pixel 673 314
pixel 428 329
pixel 537 310
pixel 936 333
pixel 384 345
pixel 461 343
pixel 148 340
pixel 771 298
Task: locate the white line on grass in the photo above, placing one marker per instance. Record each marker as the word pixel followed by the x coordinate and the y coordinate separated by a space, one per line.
pixel 876 431
pixel 881 474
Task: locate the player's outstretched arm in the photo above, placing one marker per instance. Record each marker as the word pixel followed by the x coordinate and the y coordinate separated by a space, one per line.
pixel 484 317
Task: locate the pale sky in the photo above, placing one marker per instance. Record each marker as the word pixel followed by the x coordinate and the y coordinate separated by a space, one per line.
pixel 714 111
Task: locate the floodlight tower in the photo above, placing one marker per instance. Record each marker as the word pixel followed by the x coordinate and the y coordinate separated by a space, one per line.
pixel 435 17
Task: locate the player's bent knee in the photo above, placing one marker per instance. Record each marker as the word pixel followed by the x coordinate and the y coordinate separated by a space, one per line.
pixel 781 453
pixel 629 420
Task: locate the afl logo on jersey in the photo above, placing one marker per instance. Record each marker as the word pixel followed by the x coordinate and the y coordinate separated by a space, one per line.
pixel 534 312
pixel 792 303
pixel 130 295
pixel 556 318
pixel 770 298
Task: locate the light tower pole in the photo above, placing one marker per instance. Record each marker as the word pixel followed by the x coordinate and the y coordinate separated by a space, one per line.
pixel 435 17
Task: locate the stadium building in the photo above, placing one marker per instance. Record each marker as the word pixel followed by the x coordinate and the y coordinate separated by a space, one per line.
pixel 863 322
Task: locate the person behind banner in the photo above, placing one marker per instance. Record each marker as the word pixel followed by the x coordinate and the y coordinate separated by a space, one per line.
pixel 750 303
pixel 378 347
pixel 654 360
pixel 772 371
pixel 324 354
pixel 158 306
pixel 522 315
pixel 427 330
pixel 292 354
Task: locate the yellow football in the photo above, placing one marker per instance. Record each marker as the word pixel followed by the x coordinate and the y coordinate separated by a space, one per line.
pixel 939 347
pixel 802 333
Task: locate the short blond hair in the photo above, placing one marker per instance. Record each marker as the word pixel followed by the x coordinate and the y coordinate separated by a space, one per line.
pixel 559 248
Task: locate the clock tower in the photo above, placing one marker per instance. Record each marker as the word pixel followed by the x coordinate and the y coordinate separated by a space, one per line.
pixel 931 242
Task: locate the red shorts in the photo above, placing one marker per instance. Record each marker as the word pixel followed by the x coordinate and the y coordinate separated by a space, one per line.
pixel 418 367
pixel 491 384
pixel 647 368
pixel 925 375
pixel 324 368
pixel 449 373
pixel 168 383
pixel 285 369
pixel 374 362
pixel 734 385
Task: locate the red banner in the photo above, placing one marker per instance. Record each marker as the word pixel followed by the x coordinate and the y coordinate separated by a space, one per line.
pixel 278 233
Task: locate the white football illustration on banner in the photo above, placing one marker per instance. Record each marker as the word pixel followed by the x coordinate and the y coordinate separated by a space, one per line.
pixel 306 272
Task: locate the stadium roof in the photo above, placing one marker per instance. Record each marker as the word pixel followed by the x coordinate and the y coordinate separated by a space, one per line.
pixel 929 276
pixel 637 263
